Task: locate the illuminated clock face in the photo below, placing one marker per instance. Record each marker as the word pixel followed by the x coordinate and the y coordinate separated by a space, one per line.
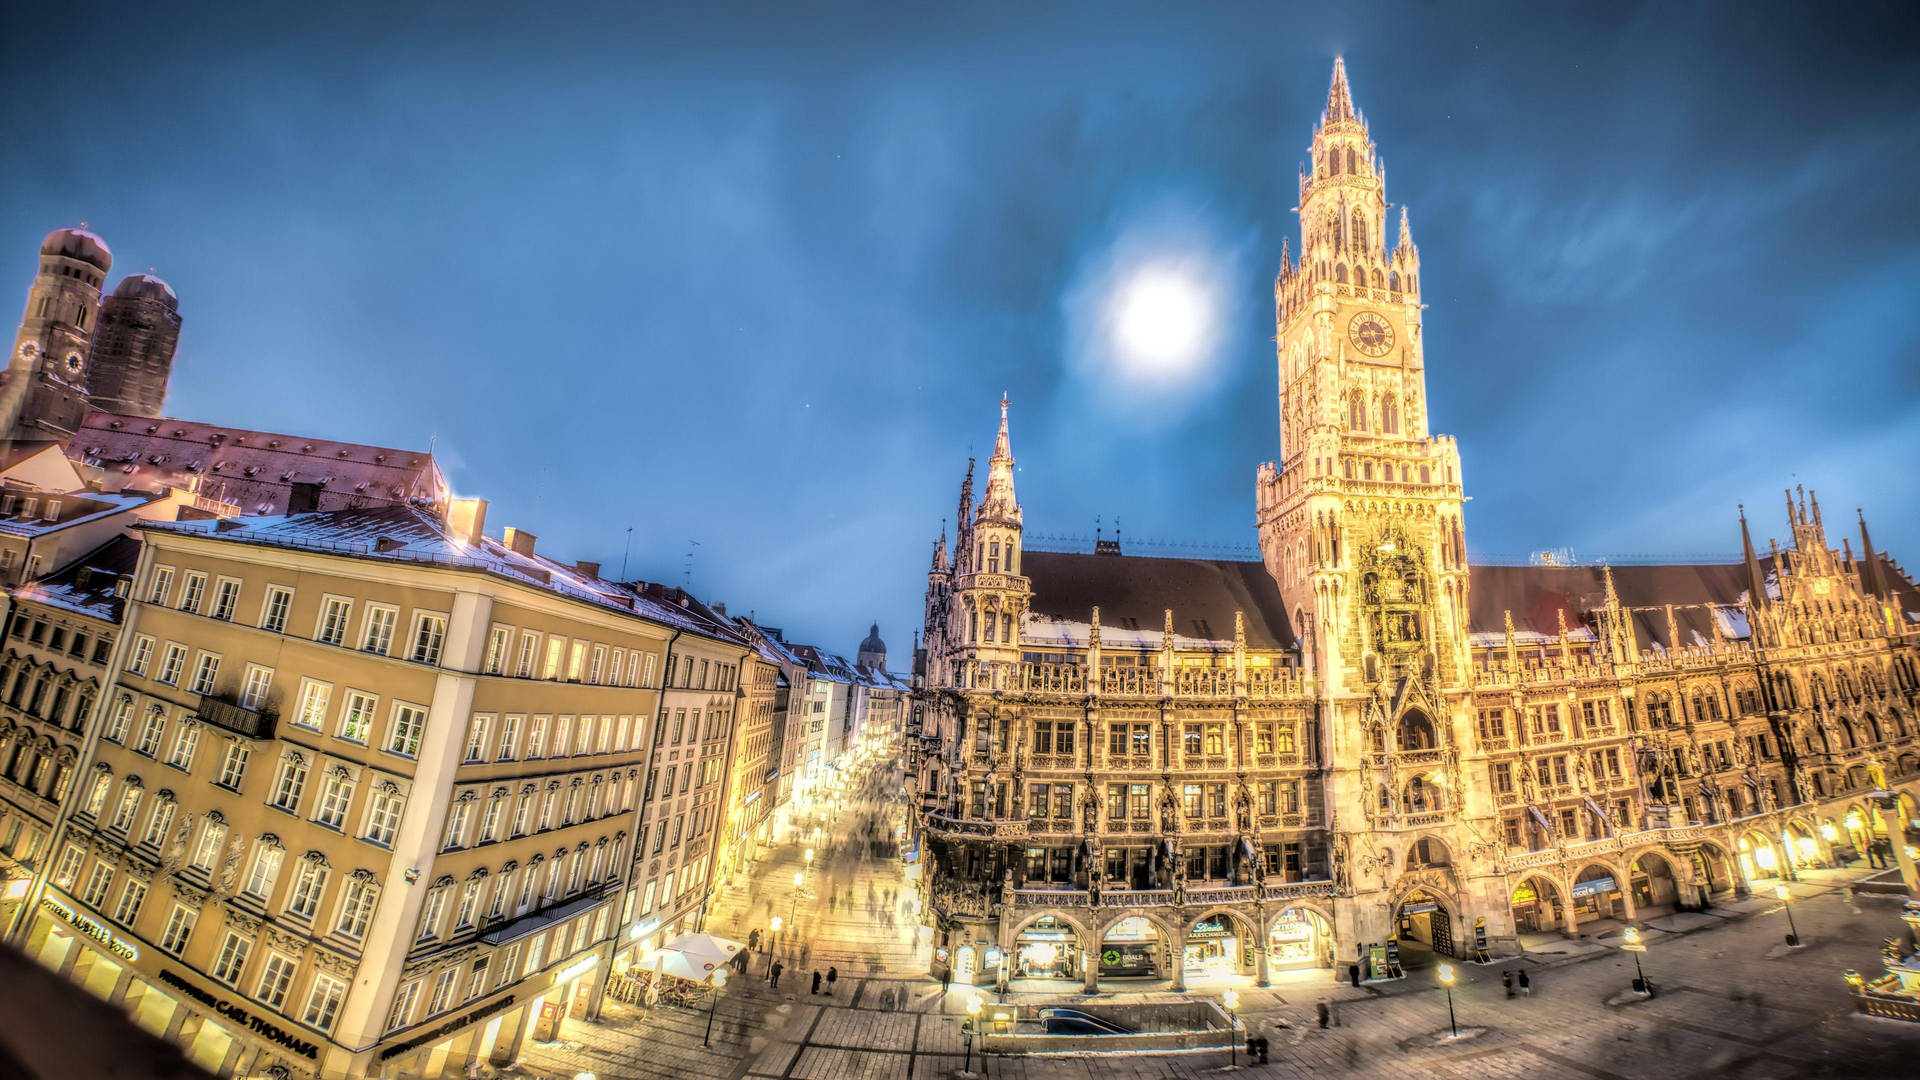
pixel 1370 333
pixel 29 350
pixel 74 362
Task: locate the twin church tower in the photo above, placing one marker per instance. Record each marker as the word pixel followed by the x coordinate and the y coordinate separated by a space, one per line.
pixel 78 349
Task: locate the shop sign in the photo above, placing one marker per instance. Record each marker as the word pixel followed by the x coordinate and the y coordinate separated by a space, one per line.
pixel 239 1015
pixel 1419 908
pixel 578 967
pixel 119 946
pixel 447 1028
pixel 1594 887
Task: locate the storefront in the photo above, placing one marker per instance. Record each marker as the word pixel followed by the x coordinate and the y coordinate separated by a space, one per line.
pixel 1048 949
pixel 1213 948
pixel 1132 949
pixel 1299 940
pixel 1597 897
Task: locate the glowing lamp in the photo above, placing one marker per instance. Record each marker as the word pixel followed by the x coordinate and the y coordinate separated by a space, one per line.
pixel 1446 974
pixel 973 1005
pixel 1781 891
pixel 776 924
pixel 1231 999
pixel 1042 953
pixel 1631 935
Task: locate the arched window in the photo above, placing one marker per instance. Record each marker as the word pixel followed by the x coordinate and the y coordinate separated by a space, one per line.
pixel 1362 241
pixel 1377 282
pixel 1390 416
pixel 1333 231
pixel 1351 159
pixel 1340 273
pixel 1357 412
pixel 1366 470
pixel 1393 281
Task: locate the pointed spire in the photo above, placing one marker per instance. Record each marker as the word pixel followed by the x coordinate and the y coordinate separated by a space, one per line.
pixel 998 500
pixel 1874 578
pixel 1756 584
pixel 1406 231
pixel 1791 519
pixel 1339 98
pixel 966 499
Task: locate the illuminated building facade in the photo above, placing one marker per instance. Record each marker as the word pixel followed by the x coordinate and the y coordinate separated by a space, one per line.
pixel 1182 767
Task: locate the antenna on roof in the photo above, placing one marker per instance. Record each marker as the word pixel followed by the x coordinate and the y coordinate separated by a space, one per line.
pixel 691 544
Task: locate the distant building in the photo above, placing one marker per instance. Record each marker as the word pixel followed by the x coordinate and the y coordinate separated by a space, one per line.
pixel 133 348
pixel 73 349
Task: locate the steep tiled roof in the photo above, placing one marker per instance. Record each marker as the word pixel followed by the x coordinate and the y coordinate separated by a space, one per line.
pixel 253 470
pixel 87 584
pixel 1133 592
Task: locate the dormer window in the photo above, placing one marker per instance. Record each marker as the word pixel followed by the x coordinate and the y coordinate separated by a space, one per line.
pixel 53 510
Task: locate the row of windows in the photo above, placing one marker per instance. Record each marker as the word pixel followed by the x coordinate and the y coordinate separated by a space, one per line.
pixel 462 982
pixel 491 898
pixel 52 698
pixel 492 737
pixel 58 638
pixel 507 817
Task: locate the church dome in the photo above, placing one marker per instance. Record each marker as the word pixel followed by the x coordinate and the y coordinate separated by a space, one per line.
pixel 78 244
pixel 147 287
pixel 873 644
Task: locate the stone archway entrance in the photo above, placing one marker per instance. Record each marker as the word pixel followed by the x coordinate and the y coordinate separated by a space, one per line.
pixel 1048 948
pixel 1712 868
pixel 1134 948
pixel 1299 940
pixel 1424 927
pixel 1596 893
pixel 1652 885
pixel 1538 907
pixel 1219 944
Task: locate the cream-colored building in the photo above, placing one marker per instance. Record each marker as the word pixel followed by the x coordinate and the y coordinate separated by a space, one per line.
pixel 362 795
pixel 1361 744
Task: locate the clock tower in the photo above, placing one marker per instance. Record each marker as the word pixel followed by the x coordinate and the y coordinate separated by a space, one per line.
pixel 1361 525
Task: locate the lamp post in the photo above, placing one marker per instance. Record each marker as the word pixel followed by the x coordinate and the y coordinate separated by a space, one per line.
pixel 1786 898
pixel 719 980
pixel 967 1026
pixel 1633 944
pixel 1446 980
pixel 1231 999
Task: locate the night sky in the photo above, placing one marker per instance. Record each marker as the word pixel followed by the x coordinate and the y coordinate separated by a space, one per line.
pixel 756 277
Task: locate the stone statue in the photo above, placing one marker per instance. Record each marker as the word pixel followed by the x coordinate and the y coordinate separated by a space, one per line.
pixel 1090 810
pixel 177 848
pixel 230 866
pixel 1169 810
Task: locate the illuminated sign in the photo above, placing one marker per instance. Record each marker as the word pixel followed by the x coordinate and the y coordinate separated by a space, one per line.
pixel 119 946
pixel 578 967
pixel 447 1028
pixel 239 1015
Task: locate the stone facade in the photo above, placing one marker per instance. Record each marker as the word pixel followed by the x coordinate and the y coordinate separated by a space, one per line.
pixel 1362 739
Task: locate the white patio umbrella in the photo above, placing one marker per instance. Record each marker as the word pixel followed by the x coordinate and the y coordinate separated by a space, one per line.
pixel 704 949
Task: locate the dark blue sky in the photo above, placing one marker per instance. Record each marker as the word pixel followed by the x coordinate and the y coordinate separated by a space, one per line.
pixel 756 277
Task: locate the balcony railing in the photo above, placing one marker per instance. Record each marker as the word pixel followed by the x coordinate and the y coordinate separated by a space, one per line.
pixel 254 723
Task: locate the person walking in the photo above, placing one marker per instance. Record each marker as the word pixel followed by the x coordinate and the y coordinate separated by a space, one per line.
pixel 946 979
pixel 1506 980
pixel 816 985
pixel 774 976
pixel 1323 1012
pixel 1526 984
pixel 833 975
pixel 753 941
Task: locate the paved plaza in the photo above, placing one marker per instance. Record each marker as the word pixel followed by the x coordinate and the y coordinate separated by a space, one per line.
pixel 1733 1000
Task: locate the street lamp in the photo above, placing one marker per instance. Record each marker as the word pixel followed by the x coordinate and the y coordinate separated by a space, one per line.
pixel 1231 999
pixel 1446 980
pixel 972 1021
pixel 1632 944
pixel 1786 897
pixel 793 909
pixel 719 980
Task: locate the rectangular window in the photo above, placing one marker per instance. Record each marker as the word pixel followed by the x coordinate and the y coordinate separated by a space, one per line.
pixel 377 636
pixel 97 884
pixel 356 909
pixel 233 766
pixel 335 794
pixel 537 738
pixel 289 784
pixel 311 710
pixel 160 586
pixel 192 592
pixel 172 660
pixel 597 664
pixel 157 825
pixel 577 661
pixel 179 929
pixel 151 727
pixel 402 1010
pixel 253 692
pixel 304 898
pixel 498 640
pixel 276 975
pixel 555 650
pixel 231 963
pixel 226 597
pixel 205 672
pixel 334 613
pixel 273 615
pixel 477 737
pixel 429 634
pixel 356 716
pixel 383 816
pixel 510 736
pixel 529 649
pixel 323 1002
pixel 442 995
pixel 142 654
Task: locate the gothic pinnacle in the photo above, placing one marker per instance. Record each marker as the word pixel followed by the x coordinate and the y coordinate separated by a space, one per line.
pixel 1339 98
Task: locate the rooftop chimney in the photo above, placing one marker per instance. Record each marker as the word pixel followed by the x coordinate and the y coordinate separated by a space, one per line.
pixel 587 567
pixel 467 521
pixel 520 540
pixel 720 609
pixel 305 498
